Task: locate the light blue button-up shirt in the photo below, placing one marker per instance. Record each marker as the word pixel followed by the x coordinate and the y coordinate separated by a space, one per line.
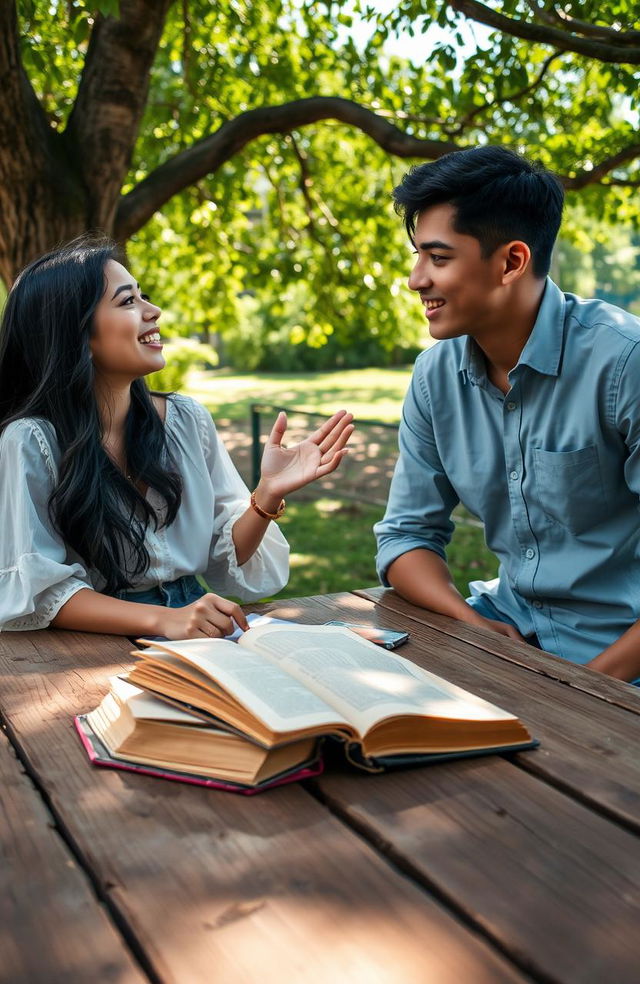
pixel 552 469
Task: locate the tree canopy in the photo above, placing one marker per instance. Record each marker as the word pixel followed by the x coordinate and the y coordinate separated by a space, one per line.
pixel 246 151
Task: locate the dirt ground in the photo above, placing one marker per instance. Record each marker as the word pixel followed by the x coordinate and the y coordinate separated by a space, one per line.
pixel 363 476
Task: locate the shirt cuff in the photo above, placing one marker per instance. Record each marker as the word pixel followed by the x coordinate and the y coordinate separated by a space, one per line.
pixel 265 573
pixel 22 610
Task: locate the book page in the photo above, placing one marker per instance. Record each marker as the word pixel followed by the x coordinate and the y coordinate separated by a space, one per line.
pixel 148 708
pixel 254 619
pixel 362 681
pixel 267 690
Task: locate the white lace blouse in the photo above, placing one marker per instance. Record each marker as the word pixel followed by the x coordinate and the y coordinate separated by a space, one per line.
pixel 39 573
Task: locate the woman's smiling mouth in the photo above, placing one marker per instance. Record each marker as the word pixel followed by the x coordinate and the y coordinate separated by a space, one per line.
pixel 150 338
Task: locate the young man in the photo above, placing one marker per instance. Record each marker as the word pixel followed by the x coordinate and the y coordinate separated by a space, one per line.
pixel 527 412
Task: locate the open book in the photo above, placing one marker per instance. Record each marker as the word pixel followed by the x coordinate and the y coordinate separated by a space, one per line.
pixel 135 731
pixel 282 684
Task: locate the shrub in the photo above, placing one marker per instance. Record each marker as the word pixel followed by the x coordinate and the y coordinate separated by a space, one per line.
pixel 182 355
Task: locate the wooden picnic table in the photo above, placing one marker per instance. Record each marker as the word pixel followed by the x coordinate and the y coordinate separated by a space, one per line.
pixel 521 867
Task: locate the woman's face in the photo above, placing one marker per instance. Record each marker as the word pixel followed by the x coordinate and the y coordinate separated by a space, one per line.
pixel 125 343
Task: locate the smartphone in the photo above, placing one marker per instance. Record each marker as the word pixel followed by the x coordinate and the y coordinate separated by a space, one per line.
pixel 387 638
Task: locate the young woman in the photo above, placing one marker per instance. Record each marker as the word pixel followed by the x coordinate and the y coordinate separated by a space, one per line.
pixel 112 499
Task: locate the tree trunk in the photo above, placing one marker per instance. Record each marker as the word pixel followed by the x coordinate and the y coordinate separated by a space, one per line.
pixel 55 186
pixel 42 203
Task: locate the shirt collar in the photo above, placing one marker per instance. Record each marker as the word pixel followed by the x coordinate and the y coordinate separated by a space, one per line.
pixel 543 349
pixel 472 362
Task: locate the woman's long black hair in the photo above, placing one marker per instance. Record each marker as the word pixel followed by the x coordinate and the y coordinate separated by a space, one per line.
pixel 46 371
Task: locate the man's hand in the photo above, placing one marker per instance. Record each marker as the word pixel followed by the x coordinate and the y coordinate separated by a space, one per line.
pixel 502 628
pixel 423 578
pixel 621 659
pixel 616 663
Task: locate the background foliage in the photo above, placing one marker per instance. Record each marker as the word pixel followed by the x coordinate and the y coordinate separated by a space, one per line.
pixel 299 260
pixel 329 531
pixel 289 254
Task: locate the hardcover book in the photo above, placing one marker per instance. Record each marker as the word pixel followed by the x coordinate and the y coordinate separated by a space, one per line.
pixel 136 732
pixel 281 685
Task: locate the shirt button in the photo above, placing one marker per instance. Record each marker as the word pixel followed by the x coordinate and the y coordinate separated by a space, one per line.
pixel 537 604
pixel 513 475
pixel 511 406
pixel 530 553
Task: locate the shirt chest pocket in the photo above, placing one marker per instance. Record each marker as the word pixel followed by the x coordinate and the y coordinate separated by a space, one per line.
pixel 569 487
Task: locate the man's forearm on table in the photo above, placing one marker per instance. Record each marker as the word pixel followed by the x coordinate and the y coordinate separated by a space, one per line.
pixel 423 578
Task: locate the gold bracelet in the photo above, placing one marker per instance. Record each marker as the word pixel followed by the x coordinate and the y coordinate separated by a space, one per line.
pixel 263 513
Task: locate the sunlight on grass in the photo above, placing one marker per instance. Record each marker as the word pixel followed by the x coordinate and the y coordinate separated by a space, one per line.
pixel 300 559
pixel 327 506
pixel 370 394
pixel 333 549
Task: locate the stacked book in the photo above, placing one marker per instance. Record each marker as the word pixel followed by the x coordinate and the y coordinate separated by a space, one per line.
pixel 251 714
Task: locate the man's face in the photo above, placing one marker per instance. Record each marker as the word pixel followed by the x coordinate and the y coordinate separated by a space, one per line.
pixel 460 289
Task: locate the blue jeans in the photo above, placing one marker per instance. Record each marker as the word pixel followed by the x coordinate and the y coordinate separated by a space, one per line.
pixel 171 594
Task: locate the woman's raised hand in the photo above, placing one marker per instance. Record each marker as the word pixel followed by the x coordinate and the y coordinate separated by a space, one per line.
pixel 286 469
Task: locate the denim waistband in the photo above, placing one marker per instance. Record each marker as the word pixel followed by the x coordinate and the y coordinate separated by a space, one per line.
pixel 172 594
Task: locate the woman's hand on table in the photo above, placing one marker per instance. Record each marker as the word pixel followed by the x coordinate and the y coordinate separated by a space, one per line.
pixel 209 617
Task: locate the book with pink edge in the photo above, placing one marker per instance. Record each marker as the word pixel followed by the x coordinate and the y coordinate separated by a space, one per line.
pixel 99 755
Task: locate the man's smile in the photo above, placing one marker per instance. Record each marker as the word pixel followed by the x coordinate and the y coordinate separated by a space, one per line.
pixel 432 303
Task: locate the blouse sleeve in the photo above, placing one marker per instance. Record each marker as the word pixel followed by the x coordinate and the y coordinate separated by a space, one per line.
pixel 36 578
pixel 267 570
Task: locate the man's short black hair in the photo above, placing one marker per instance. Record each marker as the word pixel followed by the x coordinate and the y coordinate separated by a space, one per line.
pixel 497 195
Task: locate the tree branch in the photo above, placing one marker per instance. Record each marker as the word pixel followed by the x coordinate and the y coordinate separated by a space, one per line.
pixel 286 231
pixel 511 97
pixel 595 174
pixel 304 182
pixel 600 31
pixel 615 183
pixel 103 125
pixel 210 153
pixel 561 39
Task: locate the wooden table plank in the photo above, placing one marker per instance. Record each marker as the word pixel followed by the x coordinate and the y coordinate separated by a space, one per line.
pixel 217 887
pixel 52 928
pixel 543 874
pixel 589 747
pixel 597 684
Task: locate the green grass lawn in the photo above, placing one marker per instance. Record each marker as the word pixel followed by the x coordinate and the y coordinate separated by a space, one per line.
pixel 332 544
pixel 333 548
pixel 370 394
